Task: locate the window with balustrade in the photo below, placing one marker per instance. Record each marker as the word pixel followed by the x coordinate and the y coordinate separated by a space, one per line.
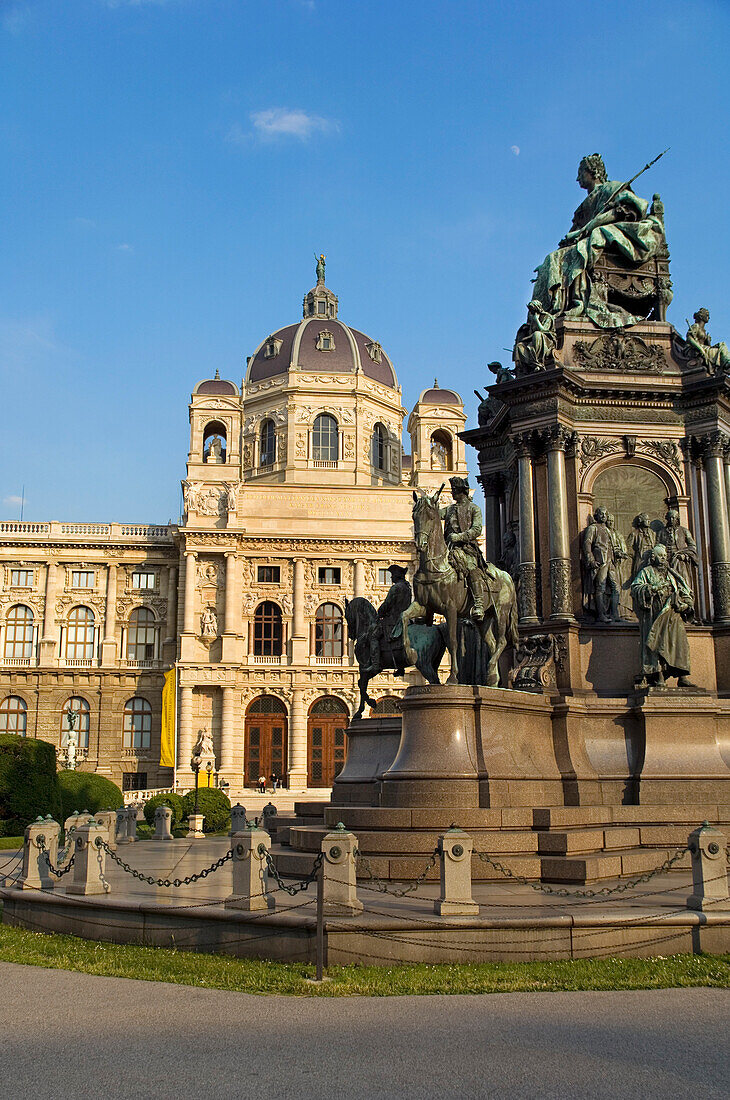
pixel 19 633
pixel 267 630
pixel 80 635
pixel 141 635
pixel 78 706
pixel 13 715
pixel 325 439
pixel 328 632
pixel 137 727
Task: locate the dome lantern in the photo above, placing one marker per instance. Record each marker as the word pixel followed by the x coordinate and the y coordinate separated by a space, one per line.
pixel 320 301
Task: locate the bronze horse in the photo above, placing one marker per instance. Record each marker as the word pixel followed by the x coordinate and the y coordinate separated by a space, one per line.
pixel 438 589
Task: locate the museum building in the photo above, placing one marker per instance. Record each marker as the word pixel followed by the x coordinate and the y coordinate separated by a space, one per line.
pixel 297 496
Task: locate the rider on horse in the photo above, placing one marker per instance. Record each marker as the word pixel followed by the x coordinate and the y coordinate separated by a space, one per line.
pixel 389 617
pixel 462 530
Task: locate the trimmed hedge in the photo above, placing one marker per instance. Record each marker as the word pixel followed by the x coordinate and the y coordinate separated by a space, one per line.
pixel 174 801
pixel 214 804
pixel 87 791
pixel 28 783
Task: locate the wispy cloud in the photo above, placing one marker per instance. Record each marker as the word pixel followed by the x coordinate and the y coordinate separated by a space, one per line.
pixel 280 123
pixel 28 342
pixel 85 223
pixel 133 3
pixel 14 17
pixel 515 149
pixel 12 500
pixel 125 248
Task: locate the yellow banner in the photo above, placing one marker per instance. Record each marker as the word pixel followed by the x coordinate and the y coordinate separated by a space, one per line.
pixel 167 742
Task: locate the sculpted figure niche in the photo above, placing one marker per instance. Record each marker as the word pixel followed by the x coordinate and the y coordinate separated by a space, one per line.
pixel 611 218
pixel 603 550
pixel 681 547
pixel 663 602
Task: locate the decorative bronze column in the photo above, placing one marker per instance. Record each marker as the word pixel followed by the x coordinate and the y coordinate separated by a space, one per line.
pixel 713 448
pixel 556 439
pixel 527 588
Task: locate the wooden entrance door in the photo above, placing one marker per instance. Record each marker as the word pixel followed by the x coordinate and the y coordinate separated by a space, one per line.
pixel 265 741
pixel 326 741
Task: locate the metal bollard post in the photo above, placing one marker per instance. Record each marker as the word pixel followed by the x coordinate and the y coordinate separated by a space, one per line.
pixel 339 873
pixel 268 818
pixel 250 875
pixel 108 820
pixel 709 869
pixel 455 849
pixel 163 823
pixel 90 861
pixel 40 841
pixel 238 818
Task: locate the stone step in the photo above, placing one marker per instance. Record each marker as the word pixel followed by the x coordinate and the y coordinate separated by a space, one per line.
pixel 403 867
pixel 310 809
pixel 379 817
pixel 597 866
pixel 552 817
pixel 571 841
pixel 308 838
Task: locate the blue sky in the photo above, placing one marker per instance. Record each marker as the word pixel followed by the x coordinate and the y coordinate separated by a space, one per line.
pixel 171 166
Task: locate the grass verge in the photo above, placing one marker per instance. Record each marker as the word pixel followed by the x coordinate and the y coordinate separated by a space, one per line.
pixel 8 843
pixel 259 976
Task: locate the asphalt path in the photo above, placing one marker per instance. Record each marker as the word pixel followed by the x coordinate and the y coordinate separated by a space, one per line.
pixel 91 1038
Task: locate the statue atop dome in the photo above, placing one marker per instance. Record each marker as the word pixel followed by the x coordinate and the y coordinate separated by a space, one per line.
pixel 612 265
pixel 321 264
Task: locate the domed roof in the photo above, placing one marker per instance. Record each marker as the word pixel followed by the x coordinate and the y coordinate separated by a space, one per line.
pixel 438 396
pixel 216 385
pixel 321 342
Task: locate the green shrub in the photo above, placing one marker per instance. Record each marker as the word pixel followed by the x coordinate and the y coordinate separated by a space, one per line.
pixel 214 804
pixel 174 801
pixel 87 791
pixel 28 783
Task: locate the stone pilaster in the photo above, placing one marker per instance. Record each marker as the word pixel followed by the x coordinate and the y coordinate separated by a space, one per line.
pixel 227 765
pixel 297 742
pixel 188 630
pixel 109 641
pixel 713 453
pixel 48 641
pixel 231 626
pixel 492 485
pixel 527 589
pixel 359 578
pixel 299 647
pixel 185 737
pixel 169 645
pixel 556 439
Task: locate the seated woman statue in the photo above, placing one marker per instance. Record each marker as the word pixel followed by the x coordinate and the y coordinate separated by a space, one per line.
pixel 611 217
pixel 716 357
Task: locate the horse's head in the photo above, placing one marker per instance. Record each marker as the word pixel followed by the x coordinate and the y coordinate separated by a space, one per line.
pixel 359 613
pixel 428 532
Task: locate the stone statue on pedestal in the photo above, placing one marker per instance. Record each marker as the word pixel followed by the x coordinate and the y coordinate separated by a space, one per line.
pixel 600 568
pixel 215 450
pixel 716 357
pixel 641 542
pixel 663 602
pixel 681 547
pixel 70 740
pixel 209 625
pixel 204 750
pixel 536 341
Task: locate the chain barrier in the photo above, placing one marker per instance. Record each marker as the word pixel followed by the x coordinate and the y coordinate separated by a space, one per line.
pixel 59 873
pixel 383 887
pixel 562 892
pixel 187 881
pixel 294 888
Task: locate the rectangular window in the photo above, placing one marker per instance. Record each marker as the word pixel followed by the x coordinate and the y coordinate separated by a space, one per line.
pixel 82 578
pixel 143 580
pixel 321 307
pixel 329 574
pixel 134 781
pixel 383 578
pixel 269 574
pixel 21 578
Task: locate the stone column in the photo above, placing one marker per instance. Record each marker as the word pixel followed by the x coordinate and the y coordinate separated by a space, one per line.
pixel 171 627
pixel 561 595
pixel 109 641
pixel 717 507
pixel 297 742
pixel 187 641
pixel 359 578
pixel 48 641
pixel 227 759
pixel 492 526
pixel 528 565
pixel 232 624
pixel 299 648
pixel 185 737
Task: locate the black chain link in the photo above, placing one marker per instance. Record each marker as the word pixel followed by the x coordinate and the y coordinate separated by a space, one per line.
pixel 603 892
pixel 384 887
pixel 293 888
pixel 176 882
pixel 41 842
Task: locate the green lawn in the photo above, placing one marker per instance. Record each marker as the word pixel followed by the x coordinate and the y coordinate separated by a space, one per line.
pixel 10 842
pixel 254 976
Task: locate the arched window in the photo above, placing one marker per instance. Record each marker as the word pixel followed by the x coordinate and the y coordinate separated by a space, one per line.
pixel 267 443
pixel 441 451
pixel 80 634
pixel 141 635
pixel 267 630
pixel 328 633
pixel 214 442
pixel 389 704
pixel 325 439
pixel 379 447
pixel 80 708
pixel 137 723
pixel 13 715
pixel 19 632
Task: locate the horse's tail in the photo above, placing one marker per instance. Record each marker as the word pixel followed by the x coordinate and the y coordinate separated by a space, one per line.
pixel 512 624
